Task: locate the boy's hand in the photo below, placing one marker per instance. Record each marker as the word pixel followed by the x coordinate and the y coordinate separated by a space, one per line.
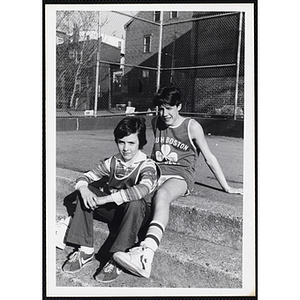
pixel 104 200
pixel 88 197
pixel 232 190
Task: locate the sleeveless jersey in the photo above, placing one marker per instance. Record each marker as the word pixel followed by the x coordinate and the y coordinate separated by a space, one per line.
pixel 123 182
pixel 174 151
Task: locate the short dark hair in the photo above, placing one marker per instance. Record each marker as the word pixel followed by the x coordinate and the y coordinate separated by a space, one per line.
pixel 167 95
pixel 129 125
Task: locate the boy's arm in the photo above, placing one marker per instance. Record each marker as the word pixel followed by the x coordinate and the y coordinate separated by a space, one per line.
pixel 198 138
pixel 147 182
pixel 88 197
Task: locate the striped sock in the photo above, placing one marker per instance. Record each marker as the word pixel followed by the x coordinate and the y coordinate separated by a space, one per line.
pixel 154 235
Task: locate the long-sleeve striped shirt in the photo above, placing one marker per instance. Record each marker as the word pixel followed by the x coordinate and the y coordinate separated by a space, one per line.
pixel 144 170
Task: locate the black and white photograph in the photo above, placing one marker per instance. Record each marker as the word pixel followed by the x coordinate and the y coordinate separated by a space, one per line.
pixel 150 120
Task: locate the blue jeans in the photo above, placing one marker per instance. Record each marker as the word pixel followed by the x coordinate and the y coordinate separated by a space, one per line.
pixel 124 221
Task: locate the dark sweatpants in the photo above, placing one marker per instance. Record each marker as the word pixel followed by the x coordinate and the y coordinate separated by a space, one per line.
pixel 124 222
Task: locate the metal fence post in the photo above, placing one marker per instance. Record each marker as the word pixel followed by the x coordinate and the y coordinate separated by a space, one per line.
pixel 238 66
pixel 159 51
pixel 97 65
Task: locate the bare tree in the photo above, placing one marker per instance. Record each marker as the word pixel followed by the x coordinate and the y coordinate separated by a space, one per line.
pixel 77 27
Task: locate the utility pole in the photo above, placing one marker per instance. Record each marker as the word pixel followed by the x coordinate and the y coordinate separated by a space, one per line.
pixel 97 86
pixel 159 50
pixel 238 65
pixel 109 88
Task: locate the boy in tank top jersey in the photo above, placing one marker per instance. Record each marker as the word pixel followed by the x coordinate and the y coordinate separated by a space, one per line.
pixel 123 203
pixel 177 142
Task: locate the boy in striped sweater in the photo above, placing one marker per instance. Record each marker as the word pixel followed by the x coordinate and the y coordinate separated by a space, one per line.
pixel 124 202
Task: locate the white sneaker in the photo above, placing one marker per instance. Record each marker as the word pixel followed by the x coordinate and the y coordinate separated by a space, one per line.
pixel 138 260
pixel 60 232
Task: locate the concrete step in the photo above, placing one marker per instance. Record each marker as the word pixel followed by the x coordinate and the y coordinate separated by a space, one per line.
pixel 195 215
pixel 84 278
pixel 186 257
pixel 186 261
pixel 182 261
pixel 205 219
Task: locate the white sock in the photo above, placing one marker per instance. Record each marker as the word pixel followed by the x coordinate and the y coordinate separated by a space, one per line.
pixel 87 250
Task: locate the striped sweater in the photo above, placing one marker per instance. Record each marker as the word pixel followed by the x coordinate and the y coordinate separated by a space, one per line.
pixel 127 181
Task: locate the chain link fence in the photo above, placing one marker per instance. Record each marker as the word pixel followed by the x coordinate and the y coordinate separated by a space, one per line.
pixel 202 53
pixel 211 79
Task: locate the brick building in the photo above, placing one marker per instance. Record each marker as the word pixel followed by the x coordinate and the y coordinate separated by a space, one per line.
pixel 211 39
pixel 141 46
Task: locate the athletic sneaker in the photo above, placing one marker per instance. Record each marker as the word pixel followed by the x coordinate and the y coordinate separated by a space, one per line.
pixel 138 260
pixel 109 272
pixel 76 261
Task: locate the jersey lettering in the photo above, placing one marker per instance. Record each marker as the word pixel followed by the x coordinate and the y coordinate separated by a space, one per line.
pixel 173 142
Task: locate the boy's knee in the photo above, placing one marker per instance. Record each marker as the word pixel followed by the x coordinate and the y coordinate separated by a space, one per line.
pixel 136 207
pixel 162 196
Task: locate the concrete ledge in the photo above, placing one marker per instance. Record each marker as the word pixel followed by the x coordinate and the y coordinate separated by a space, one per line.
pixel 187 257
pixel 180 262
pixel 91 123
pixel 233 128
pixel 184 261
pixel 221 127
pixel 194 216
pixel 205 222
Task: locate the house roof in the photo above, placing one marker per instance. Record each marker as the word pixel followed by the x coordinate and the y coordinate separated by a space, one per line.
pixel 109 52
pixel 132 19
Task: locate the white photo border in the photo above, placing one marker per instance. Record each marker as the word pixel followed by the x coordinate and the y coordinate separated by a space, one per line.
pixel 249 243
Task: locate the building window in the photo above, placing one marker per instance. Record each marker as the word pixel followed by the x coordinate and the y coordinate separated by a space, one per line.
pixel 147 43
pixel 173 14
pixel 117 80
pixel 145 74
pixel 71 53
pixel 156 16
